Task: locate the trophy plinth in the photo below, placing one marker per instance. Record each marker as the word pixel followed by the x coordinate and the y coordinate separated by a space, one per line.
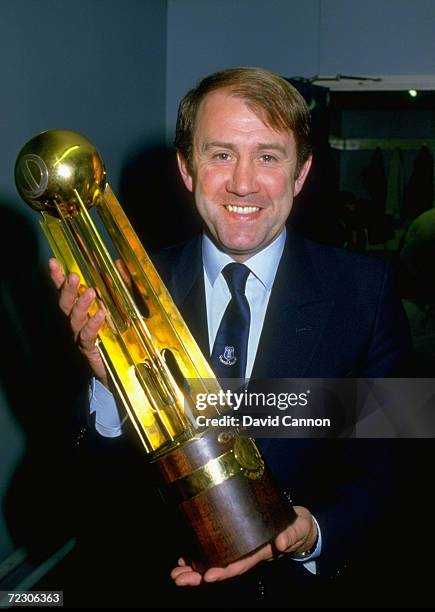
pixel 225 490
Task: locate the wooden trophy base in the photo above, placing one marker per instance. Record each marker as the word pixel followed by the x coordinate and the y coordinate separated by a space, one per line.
pixel 226 494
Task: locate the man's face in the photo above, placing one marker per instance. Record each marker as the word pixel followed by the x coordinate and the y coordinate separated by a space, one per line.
pixel 243 176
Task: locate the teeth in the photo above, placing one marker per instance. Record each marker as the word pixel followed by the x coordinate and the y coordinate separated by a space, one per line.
pixel 242 210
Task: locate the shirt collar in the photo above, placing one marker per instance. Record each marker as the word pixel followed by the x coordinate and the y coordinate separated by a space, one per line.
pixel 263 264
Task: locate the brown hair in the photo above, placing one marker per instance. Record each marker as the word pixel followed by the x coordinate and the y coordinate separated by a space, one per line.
pixel 268 95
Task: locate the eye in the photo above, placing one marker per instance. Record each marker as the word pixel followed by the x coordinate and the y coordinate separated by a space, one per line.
pixel 222 156
pixel 268 158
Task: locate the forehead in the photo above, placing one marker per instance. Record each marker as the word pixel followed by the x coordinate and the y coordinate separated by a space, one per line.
pixel 221 113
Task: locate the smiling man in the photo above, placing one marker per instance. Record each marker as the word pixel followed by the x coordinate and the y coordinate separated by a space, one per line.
pixel 264 303
pixel 244 171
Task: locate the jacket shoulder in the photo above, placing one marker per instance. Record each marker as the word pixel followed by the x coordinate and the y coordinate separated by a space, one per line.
pixel 178 255
pixel 340 268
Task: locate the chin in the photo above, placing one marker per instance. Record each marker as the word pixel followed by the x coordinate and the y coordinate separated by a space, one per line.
pixel 241 249
pixel 238 243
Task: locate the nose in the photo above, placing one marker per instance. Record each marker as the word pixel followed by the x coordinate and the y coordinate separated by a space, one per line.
pixel 243 179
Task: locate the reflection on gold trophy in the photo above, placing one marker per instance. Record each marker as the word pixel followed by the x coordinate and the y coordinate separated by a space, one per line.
pixel 218 479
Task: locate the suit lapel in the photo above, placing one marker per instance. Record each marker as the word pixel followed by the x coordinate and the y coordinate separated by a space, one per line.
pixel 296 316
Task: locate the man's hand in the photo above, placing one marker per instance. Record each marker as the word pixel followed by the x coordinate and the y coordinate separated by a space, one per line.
pixel 297 538
pixel 75 306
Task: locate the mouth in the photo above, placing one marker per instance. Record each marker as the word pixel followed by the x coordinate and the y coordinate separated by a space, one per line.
pixel 242 210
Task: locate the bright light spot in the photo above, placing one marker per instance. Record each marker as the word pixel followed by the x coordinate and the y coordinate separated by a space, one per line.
pixel 64 171
pixel 412 93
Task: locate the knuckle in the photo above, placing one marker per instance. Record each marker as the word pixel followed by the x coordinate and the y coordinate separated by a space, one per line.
pixel 85 339
pixel 83 301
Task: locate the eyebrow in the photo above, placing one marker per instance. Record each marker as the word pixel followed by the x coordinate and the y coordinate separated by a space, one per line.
pixel 261 146
pixel 272 147
pixel 217 144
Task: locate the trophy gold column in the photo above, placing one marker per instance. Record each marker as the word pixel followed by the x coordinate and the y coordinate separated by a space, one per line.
pixel 218 479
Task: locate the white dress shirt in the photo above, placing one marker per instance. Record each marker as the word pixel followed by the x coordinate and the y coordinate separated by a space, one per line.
pixel 262 266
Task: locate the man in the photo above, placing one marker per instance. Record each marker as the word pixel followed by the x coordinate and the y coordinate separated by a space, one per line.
pixel 243 151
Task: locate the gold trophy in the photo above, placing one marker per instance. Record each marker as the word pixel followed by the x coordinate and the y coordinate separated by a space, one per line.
pixel 217 478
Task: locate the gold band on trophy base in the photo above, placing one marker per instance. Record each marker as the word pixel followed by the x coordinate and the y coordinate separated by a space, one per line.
pixel 155 367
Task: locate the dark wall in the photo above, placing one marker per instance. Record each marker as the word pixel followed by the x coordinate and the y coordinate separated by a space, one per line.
pixel 206 35
pixel 295 38
pixel 97 67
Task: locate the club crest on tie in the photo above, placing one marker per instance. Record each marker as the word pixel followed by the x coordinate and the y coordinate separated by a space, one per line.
pixel 228 358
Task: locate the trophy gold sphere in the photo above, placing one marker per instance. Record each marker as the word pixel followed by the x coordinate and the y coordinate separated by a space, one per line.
pixel 57 167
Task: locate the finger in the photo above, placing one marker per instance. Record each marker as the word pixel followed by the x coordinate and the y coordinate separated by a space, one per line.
pixel 298 546
pixel 56 272
pixel 177 571
pixel 216 574
pixel 79 312
pixel 88 334
pixel 181 561
pixel 68 294
pixel 291 539
pixel 295 538
pixel 189 579
pixel 285 539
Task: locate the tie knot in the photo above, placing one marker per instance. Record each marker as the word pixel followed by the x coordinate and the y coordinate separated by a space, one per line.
pixel 236 275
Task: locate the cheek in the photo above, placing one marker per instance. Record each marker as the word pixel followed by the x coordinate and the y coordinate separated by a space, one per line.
pixel 278 186
pixel 212 180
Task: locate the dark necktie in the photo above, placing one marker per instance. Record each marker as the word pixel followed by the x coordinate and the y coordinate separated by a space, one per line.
pixel 230 350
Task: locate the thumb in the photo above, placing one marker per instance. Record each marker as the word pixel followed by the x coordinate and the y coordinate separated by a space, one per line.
pixel 283 541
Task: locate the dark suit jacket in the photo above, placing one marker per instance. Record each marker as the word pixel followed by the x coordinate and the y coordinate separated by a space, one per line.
pixel 331 314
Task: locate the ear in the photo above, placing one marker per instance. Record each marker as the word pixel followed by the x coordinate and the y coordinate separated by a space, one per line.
pixel 183 167
pixel 299 182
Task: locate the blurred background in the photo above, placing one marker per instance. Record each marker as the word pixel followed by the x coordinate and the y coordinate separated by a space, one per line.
pixel 115 71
